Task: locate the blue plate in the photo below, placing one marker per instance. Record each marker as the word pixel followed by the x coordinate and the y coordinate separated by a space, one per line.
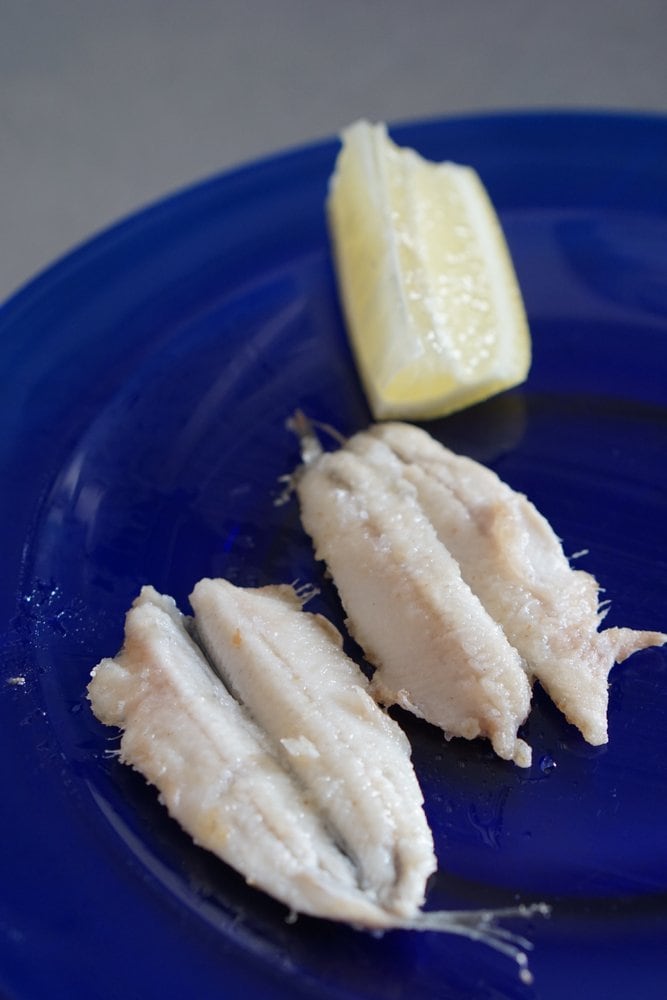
pixel 147 379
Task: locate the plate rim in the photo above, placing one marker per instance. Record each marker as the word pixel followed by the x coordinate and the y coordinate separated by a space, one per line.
pixel 52 271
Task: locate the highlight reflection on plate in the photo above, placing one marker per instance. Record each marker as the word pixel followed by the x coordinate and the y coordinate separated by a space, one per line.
pixel 149 377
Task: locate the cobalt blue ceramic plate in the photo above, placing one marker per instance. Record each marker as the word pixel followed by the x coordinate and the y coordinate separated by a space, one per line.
pixel 147 379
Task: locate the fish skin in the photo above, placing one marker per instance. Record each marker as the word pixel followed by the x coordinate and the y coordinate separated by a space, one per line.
pixel 435 649
pixel 512 559
pixel 287 667
pixel 215 769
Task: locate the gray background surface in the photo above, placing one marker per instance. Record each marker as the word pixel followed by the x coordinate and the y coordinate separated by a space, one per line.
pixel 106 105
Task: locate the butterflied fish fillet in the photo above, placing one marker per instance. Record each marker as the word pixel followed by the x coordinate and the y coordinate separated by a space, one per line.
pixel 511 558
pixel 288 668
pixel 216 770
pixel 220 774
pixel 436 650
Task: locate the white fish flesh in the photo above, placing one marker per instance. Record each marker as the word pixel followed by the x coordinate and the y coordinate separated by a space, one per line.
pixel 225 779
pixel 287 667
pixel 216 770
pixel 511 558
pixel 436 650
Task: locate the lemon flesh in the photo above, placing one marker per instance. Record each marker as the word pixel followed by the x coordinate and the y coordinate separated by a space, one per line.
pixel 431 300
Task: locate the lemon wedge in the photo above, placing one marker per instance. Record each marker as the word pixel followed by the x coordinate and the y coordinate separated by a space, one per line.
pixel 431 300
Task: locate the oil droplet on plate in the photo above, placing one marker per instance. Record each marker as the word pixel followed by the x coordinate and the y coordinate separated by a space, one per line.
pixel 547 764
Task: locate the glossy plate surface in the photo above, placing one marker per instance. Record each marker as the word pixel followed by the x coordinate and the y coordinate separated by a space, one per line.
pixel 147 379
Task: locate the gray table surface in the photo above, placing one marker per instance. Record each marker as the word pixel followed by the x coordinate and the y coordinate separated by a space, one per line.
pixel 106 105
